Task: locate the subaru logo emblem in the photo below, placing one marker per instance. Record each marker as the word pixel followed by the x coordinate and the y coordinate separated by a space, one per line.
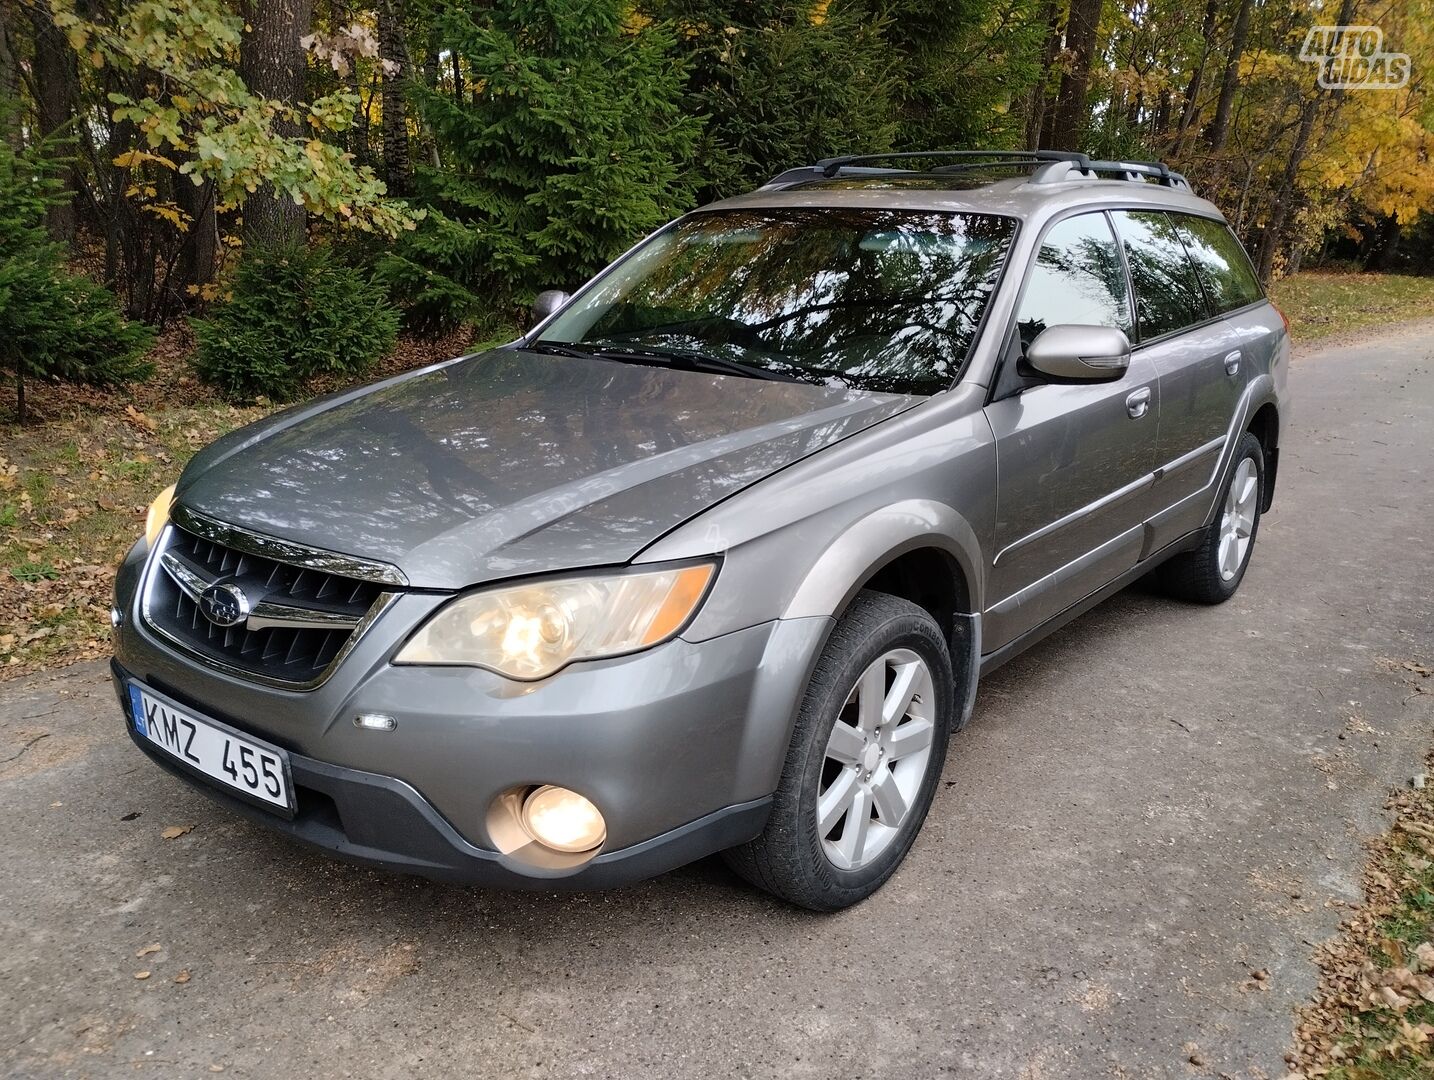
pixel 224 605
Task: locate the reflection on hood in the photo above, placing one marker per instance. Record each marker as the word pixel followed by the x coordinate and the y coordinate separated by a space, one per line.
pixel 514 462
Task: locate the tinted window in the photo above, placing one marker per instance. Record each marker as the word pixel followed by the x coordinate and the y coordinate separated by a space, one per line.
pixel 1221 262
pixel 1077 279
pixel 872 299
pixel 1167 292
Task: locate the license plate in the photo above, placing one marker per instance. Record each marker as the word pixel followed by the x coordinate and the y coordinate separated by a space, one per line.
pixel 236 761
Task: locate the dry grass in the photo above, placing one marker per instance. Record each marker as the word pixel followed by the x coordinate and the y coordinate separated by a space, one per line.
pixel 1319 305
pixel 75 483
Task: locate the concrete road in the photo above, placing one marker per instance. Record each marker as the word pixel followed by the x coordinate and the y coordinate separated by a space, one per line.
pixel 1148 808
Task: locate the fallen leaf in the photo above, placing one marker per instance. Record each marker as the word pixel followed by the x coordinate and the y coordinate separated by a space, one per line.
pixel 1424 954
pixel 174 832
pixel 141 974
pixel 182 977
pixel 146 422
pixel 1392 948
pixel 147 950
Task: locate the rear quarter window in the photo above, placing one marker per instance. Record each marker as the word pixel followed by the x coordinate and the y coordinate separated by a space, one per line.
pixel 1221 263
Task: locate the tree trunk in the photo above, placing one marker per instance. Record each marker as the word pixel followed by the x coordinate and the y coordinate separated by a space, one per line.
pixel 1164 109
pixel 396 164
pixel 1383 245
pixel 1068 125
pixel 1287 192
pixel 273 65
pixel 430 59
pixel 1219 128
pixel 430 80
pixel 1284 194
pixel 1133 108
pixel 1036 113
pixel 9 81
pixel 57 84
pixel 201 245
pixel 1197 78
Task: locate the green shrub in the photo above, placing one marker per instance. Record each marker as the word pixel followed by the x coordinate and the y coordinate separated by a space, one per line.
pixel 422 272
pixel 292 315
pixel 54 324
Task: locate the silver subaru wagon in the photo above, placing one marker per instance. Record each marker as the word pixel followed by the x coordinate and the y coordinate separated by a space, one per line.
pixel 713 558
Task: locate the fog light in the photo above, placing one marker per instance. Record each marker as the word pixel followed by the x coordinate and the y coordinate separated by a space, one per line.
pixel 563 819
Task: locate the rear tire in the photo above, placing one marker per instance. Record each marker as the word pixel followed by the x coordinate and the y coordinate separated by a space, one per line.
pixel 1212 572
pixel 864 762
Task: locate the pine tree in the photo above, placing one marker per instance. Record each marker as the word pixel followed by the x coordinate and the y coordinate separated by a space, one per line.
pixel 967 69
pixel 53 323
pixel 571 144
pixel 783 83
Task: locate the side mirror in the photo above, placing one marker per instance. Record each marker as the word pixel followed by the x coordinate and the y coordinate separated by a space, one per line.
pixel 1080 353
pixel 547 302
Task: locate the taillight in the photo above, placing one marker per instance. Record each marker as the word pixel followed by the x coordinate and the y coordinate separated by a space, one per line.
pixel 1283 318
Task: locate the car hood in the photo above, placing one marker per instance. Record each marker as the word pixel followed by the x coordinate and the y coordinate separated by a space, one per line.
pixel 512 462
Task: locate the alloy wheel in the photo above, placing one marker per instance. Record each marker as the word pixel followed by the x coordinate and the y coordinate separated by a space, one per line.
pixel 875 759
pixel 1237 524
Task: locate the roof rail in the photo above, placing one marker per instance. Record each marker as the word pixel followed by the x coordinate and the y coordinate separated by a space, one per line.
pixel 1051 167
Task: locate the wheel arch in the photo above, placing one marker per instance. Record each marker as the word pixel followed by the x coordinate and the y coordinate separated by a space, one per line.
pixel 1265 426
pixel 921 551
pixel 921 532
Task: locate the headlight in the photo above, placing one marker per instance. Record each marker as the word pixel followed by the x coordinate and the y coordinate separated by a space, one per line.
pixel 531 631
pixel 158 516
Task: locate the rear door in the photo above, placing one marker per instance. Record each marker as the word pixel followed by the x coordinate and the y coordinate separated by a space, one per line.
pixel 1188 272
pixel 1074 460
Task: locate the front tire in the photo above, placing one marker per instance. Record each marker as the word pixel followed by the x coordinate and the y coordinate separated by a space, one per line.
pixel 1212 572
pixel 864 762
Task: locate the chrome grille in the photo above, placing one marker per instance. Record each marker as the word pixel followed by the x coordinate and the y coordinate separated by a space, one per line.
pixel 297 621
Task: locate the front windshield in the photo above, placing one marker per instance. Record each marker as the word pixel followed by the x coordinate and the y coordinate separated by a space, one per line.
pixel 872 299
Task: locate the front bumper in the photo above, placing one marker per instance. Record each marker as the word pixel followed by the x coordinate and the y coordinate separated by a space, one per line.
pixel 376 820
pixel 680 747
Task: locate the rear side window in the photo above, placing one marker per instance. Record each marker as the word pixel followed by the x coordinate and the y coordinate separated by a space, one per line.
pixel 1167 292
pixel 1220 261
pixel 1077 279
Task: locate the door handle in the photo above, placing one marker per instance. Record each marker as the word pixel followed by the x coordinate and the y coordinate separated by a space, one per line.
pixel 1232 362
pixel 1137 402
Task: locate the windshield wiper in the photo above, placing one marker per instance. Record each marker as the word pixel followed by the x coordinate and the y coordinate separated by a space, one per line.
pixel 554 348
pixel 690 360
pixel 685 359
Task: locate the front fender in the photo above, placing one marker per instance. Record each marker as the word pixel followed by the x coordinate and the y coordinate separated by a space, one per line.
pixel 876 540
